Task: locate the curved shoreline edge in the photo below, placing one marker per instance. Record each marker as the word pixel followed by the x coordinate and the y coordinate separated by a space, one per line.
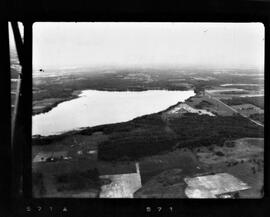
pixel 75 94
pixel 78 130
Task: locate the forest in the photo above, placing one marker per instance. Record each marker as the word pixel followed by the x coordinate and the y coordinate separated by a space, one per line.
pixel 151 135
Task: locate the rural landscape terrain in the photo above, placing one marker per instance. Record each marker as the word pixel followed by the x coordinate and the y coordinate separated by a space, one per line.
pixel 209 146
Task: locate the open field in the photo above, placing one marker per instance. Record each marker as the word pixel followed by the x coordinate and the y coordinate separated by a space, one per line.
pixel 83 151
pixel 121 185
pixel 229 92
pixel 211 186
pixel 76 175
pixel 251 107
pixel 168 184
pixel 53 171
pixel 256 101
pixel 238 149
pixel 202 154
pixel 208 103
pixel 78 160
pixel 242 158
pixel 163 175
pixel 183 159
pixel 248 109
pixel 182 141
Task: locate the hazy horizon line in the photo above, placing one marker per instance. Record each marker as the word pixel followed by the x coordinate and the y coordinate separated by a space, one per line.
pixel 156 66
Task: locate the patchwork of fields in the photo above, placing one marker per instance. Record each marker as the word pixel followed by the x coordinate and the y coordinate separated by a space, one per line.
pixel 220 130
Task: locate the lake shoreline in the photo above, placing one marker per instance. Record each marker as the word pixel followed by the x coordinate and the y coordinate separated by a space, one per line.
pixel 95 128
pixel 75 94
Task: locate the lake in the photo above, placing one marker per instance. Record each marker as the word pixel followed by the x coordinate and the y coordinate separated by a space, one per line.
pixel 93 108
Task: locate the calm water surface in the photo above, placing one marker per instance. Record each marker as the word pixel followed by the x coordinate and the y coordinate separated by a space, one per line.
pixel 95 107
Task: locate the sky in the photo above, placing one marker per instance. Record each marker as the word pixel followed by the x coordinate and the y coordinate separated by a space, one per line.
pixel 92 44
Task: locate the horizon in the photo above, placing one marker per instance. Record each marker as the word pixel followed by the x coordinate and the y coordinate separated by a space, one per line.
pixel 148 45
pixel 94 68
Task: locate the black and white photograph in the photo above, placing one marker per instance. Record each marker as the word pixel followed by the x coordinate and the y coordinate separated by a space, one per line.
pixel 147 109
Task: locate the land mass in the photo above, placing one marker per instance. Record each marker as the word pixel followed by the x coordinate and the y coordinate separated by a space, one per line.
pixel 53 87
pixel 204 135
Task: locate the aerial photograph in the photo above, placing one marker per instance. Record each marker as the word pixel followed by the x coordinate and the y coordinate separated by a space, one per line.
pixel 147 110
